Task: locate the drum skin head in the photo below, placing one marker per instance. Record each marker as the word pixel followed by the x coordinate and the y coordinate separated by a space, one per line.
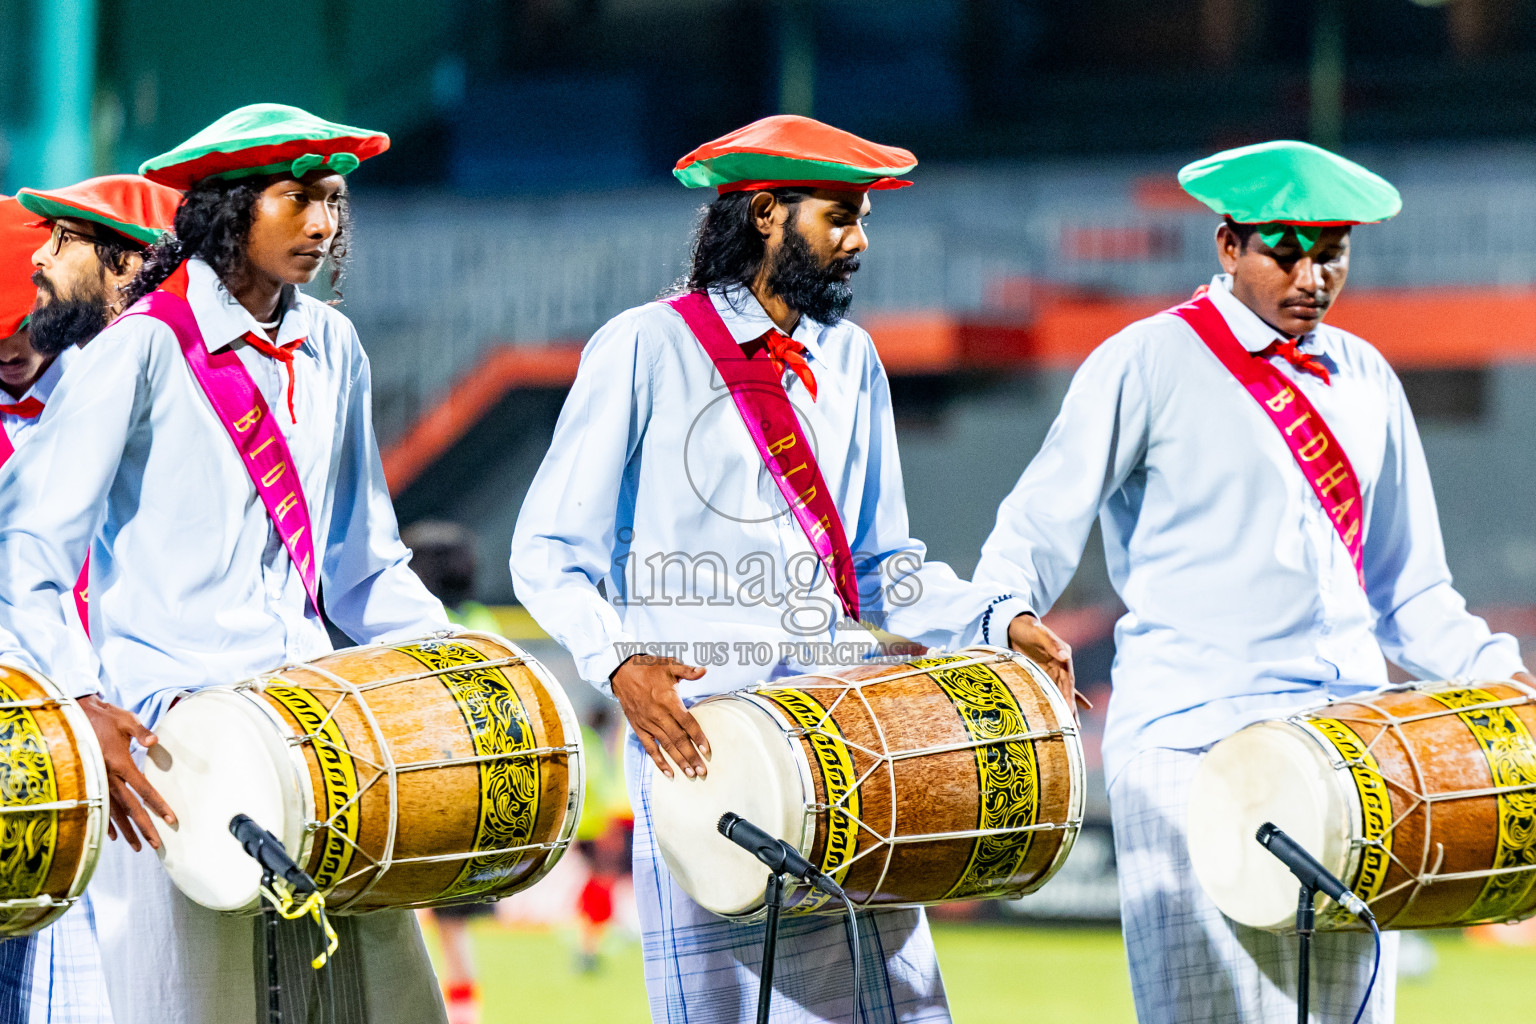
pixel 752 772
pixel 1273 771
pixel 220 754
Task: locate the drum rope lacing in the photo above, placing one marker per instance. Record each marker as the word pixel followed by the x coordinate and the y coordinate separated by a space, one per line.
pixel 886 758
pixel 1389 723
pixel 390 771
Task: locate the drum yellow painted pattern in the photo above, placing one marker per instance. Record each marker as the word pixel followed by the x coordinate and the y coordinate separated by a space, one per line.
pixel 27 841
pixel 1511 755
pixel 1376 813
pixel 1008 774
pixel 338 774
pixel 509 784
pixel 835 763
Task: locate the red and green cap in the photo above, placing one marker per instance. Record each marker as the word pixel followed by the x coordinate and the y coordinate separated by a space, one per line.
pixel 1285 186
pixel 265 138
pixel 20 236
pixel 128 204
pixel 786 150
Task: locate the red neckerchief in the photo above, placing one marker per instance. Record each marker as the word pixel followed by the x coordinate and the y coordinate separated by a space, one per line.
pixel 284 355
pixel 784 351
pixel 27 409
pixel 1306 364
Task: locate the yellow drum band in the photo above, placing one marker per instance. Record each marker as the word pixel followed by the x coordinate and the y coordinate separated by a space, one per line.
pixel 338 780
pixel 1511 755
pixel 1007 773
pixel 1376 813
pixel 27 841
pixel 843 800
pixel 509 784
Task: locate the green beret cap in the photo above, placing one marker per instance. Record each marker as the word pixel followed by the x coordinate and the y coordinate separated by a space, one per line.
pixel 264 138
pixel 1291 183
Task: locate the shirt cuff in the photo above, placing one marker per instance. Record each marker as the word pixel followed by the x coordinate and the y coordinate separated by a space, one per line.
pixel 598 668
pixel 995 620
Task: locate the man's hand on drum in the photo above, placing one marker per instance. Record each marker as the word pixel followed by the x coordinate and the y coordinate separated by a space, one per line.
pixel 114 727
pixel 1034 639
pixel 646 688
pixel 1526 678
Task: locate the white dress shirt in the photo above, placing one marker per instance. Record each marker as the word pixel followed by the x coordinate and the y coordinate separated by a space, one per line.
pixel 653 491
pixel 20 429
pixel 1241 599
pixel 190 585
pixel 17 428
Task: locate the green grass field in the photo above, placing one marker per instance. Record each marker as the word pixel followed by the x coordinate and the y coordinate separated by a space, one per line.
pixel 995 975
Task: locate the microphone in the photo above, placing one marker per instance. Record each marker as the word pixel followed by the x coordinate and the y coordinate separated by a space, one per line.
pixel 268 851
pixel 780 857
pixel 1307 869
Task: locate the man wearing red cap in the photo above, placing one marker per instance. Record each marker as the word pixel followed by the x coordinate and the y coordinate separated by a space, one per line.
pixel 60 282
pixel 197 578
pixel 722 564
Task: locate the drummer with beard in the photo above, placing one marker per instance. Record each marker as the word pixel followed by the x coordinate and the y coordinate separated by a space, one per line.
pixel 60 282
pixel 1269 523
pixel 678 546
pixel 196 578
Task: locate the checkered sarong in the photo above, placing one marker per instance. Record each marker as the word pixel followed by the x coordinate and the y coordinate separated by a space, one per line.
pixel 54 976
pixel 703 969
pixel 1188 961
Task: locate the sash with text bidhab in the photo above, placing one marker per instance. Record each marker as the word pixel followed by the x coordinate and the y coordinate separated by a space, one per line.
pixel 243 411
pixel 1318 453
pixel 775 430
pixel 82 600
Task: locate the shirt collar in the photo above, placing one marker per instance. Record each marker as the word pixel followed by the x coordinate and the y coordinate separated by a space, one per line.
pixel 1249 328
pixel 747 321
pixel 224 321
pixel 42 388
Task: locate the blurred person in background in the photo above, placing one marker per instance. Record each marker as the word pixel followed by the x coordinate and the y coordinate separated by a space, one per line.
pixel 64 257
pixel 1270 525
pixel 603 835
pixel 443 556
pixel 621 488
pixel 208 553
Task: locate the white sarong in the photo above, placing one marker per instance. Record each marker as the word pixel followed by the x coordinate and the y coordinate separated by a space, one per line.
pixel 170 961
pixel 54 976
pixel 704 969
pixel 1189 962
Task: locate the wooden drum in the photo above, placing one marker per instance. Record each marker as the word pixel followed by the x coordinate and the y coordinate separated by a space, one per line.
pixel 1420 798
pixel 445 770
pixel 953 777
pixel 53 790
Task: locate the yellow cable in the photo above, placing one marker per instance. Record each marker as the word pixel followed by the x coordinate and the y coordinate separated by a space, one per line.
pixel 314 906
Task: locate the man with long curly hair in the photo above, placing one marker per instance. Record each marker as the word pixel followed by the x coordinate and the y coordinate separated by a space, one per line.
pixel 60 282
pixel 651 463
pixel 196 579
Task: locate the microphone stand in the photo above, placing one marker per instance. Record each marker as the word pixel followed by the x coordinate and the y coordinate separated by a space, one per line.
pixel 773 898
pixel 1306 920
pixel 274 988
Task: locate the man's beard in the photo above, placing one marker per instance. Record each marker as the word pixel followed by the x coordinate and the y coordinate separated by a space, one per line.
pixel 806 286
pixel 60 323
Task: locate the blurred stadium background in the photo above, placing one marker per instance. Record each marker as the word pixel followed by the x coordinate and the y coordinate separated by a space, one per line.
pixel 527 198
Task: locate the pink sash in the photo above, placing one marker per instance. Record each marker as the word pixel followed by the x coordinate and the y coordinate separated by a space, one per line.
pixel 81 600
pixel 775 429
pixel 1321 458
pixel 240 407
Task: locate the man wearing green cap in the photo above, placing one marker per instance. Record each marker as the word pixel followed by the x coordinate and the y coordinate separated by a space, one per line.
pixel 222 469
pixel 1269 524
pixel 721 504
